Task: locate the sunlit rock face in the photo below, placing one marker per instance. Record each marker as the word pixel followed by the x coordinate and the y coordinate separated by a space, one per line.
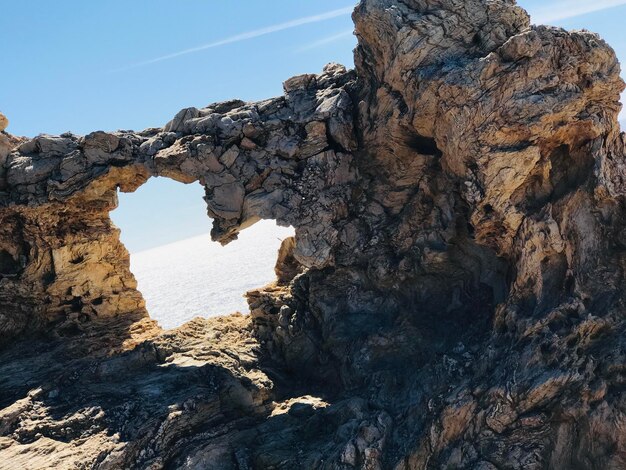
pixel 285 159
pixel 4 122
pixel 453 297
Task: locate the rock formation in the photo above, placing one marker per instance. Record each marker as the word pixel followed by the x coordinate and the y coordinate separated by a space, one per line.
pixel 453 298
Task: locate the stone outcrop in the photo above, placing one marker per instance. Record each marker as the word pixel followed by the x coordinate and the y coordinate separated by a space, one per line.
pixel 453 296
pixel 4 122
pixel 285 159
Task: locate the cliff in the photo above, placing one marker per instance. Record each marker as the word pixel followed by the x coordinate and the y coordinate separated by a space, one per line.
pixel 453 298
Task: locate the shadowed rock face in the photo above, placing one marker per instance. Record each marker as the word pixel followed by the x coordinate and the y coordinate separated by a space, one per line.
pixel 453 297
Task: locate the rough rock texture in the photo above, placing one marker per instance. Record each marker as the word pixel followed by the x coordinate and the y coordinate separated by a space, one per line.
pixel 453 298
pixel 4 122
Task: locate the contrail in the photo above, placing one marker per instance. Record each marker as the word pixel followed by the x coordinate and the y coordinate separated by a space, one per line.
pixel 248 35
pixel 563 10
pixel 326 40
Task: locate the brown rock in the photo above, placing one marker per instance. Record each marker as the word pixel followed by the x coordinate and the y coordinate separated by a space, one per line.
pixel 453 297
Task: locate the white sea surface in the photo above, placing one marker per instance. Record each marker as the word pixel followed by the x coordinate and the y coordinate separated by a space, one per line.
pixel 199 277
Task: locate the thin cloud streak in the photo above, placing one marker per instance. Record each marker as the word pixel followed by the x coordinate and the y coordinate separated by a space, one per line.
pixel 248 35
pixel 564 10
pixel 326 40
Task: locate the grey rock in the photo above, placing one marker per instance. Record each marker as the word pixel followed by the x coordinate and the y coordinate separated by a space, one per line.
pixel 463 185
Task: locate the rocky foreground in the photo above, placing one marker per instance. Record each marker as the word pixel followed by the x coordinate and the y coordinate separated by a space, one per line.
pixel 454 296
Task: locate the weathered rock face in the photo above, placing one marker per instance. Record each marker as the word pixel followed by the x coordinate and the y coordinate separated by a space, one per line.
pixel 285 159
pixel 453 297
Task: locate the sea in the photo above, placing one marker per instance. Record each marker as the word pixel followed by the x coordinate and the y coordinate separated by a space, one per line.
pixel 197 277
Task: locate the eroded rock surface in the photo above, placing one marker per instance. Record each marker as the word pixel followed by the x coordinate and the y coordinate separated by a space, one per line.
pixel 453 297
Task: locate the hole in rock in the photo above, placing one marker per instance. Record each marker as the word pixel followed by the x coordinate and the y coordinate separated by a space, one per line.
pixel 424 145
pixel 181 273
pixel 8 264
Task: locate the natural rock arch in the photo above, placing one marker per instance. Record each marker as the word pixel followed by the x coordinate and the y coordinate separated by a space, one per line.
pixel 272 160
pixel 459 209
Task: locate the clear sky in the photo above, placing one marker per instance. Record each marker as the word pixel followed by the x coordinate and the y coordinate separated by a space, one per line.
pixel 76 65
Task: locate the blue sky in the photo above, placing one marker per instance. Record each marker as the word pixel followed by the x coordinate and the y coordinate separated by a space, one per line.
pixel 76 65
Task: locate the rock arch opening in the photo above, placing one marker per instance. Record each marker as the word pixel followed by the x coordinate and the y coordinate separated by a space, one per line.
pixel 180 272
